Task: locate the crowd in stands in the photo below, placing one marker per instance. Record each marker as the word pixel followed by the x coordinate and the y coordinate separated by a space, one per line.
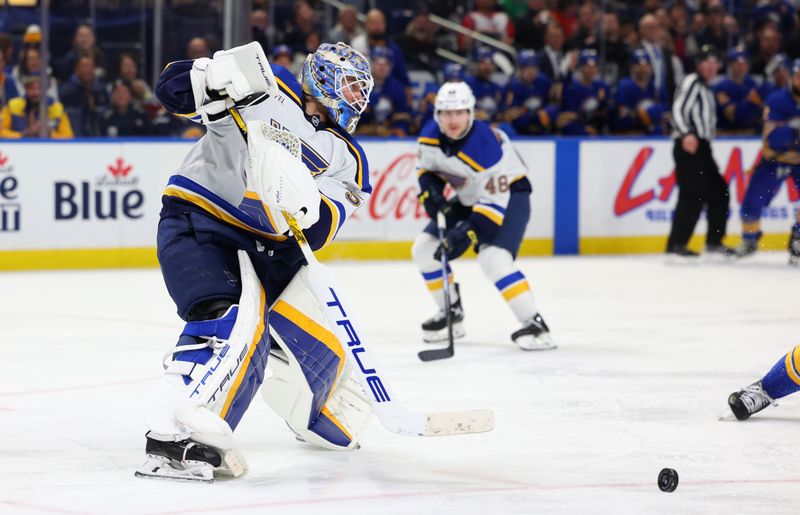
pixel 565 67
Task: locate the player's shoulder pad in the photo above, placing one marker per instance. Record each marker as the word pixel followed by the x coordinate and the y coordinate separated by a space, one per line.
pixel 354 149
pixel 483 148
pixel 430 134
pixel 287 83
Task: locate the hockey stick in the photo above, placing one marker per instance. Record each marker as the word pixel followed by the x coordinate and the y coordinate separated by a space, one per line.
pixel 450 350
pixel 392 415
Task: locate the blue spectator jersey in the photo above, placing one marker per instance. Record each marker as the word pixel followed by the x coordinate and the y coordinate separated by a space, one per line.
pixel 527 107
pixel 639 110
pixel 738 106
pixel 583 108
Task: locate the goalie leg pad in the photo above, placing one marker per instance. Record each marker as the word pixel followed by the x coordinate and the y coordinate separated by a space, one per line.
pixel 310 384
pixel 224 367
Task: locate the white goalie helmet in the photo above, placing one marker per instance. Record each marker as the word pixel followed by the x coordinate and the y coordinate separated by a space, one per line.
pixel 455 96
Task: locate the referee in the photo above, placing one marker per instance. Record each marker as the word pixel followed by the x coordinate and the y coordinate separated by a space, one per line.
pixel 699 181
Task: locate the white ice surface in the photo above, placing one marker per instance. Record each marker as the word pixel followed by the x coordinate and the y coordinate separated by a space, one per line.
pixel 647 356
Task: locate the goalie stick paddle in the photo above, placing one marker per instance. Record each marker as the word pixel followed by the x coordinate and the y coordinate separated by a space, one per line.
pixel 388 410
pixel 450 350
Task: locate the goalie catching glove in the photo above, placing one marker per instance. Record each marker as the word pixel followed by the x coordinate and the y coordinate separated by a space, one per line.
pixel 278 176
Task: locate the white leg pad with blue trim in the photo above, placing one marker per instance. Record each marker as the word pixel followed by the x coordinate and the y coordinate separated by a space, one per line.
pixel 195 397
pixel 310 385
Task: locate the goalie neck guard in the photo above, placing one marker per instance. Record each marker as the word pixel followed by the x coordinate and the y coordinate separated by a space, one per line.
pixel 339 77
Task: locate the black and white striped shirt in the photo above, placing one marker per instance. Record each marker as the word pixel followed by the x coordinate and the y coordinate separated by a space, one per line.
pixel 694 110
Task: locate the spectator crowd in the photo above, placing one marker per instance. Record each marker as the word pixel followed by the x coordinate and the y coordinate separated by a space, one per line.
pixel 563 67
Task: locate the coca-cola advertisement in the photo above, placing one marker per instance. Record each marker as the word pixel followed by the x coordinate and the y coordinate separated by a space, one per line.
pixel 627 189
pixel 394 214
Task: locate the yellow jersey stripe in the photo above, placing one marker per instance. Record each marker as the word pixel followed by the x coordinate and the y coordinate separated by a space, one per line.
pixel 475 166
pixel 489 213
pixel 360 172
pixel 428 141
pixel 334 220
pixel 512 292
pixel 246 365
pixel 217 212
pixel 286 89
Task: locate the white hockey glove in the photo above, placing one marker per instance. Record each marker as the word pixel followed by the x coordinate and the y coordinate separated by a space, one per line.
pixel 241 74
pixel 280 178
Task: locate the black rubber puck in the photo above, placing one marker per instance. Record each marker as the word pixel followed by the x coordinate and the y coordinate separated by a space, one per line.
pixel 667 480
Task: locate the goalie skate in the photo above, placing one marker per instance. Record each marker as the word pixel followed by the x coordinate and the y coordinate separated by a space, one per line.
pixel 160 467
pixel 534 336
pixel 187 460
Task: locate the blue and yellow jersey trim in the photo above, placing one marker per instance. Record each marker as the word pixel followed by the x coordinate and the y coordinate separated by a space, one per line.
pixel 483 148
pixel 287 84
pixel 512 285
pixel 470 162
pixel 313 161
pixel 435 280
pixel 493 212
pixel 337 218
pixel 189 191
pixel 422 140
pixel 362 168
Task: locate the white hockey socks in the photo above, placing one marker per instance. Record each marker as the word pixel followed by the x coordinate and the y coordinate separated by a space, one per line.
pixel 422 253
pixel 498 266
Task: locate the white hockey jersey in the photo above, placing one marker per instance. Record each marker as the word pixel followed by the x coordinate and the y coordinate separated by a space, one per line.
pixel 482 168
pixel 212 176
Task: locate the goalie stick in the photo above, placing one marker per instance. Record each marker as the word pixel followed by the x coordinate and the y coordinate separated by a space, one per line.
pixel 392 415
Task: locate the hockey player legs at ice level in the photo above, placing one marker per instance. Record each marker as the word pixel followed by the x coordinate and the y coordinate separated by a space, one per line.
pixel 780 160
pixel 782 380
pixel 231 264
pixel 490 211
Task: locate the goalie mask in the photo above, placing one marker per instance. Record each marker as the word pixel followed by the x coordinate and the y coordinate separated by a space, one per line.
pixel 339 78
pixel 455 96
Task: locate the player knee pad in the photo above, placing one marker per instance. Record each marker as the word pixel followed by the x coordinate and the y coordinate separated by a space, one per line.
pixel 495 262
pixel 310 385
pixel 422 252
pixel 216 368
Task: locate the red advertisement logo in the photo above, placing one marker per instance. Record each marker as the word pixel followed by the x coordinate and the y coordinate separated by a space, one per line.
pixel 394 195
pixel 630 197
pixel 119 169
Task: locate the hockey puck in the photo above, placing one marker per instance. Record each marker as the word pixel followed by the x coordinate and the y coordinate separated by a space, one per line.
pixel 667 480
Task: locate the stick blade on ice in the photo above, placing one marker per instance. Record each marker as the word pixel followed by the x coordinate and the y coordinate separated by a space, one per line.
pixel 459 422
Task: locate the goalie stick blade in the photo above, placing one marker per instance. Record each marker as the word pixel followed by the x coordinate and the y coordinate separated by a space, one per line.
pixel 434 354
pixel 459 422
